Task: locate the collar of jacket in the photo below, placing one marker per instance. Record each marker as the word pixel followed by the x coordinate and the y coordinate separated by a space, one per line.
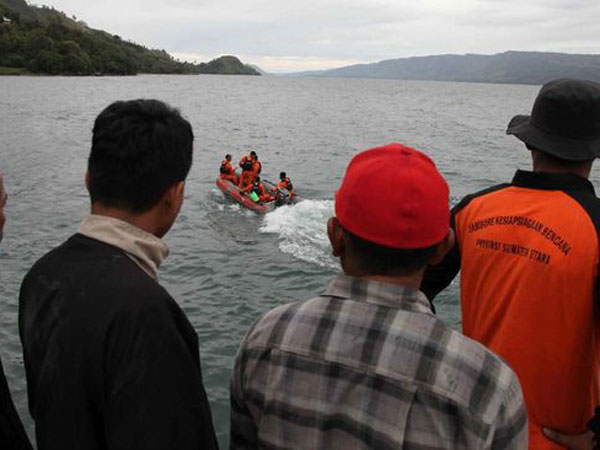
pixel 380 293
pixel 146 250
pixel 551 181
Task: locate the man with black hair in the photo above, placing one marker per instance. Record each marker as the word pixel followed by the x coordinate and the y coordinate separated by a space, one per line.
pixel 226 171
pixel 285 183
pixel 367 364
pixel 528 256
pixel 112 362
pixel 12 433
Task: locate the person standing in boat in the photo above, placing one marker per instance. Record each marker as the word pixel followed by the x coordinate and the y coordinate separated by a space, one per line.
pixel 246 158
pixel 250 162
pixel 227 172
pixel 256 164
pixel 246 176
pixel 247 165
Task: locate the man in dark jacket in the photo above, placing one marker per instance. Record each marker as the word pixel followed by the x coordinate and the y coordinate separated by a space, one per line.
pixel 112 362
pixel 12 433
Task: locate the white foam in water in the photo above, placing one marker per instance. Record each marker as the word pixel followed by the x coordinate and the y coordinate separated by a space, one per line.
pixel 302 229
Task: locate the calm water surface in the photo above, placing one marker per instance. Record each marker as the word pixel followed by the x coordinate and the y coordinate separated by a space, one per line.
pixel 228 266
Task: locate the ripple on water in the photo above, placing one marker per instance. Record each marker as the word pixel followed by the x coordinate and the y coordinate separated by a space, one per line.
pixel 301 229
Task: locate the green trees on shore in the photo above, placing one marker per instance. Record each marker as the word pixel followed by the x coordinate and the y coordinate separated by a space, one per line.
pixel 48 42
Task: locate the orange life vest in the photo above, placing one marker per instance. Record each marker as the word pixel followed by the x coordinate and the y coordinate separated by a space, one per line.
pixel 245 179
pixel 227 166
pixel 528 253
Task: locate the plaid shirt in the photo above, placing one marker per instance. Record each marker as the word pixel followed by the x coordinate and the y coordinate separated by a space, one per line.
pixel 367 365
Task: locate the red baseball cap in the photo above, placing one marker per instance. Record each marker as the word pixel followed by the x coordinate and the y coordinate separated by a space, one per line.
pixel 394 196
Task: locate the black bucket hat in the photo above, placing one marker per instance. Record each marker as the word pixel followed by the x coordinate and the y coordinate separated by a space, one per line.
pixel 564 121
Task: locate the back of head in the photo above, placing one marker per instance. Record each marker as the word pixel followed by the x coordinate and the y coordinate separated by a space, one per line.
pixel 546 162
pixel 393 206
pixel 564 121
pixel 140 148
pixel 282 175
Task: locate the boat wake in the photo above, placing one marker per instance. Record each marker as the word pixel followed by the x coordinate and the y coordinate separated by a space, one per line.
pixel 302 230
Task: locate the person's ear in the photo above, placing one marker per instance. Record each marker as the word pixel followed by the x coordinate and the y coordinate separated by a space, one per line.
pixel 443 248
pixel 173 198
pixel 335 232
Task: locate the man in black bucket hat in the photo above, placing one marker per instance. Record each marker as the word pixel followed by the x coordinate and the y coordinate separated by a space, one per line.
pixel 564 122
pixel 528 254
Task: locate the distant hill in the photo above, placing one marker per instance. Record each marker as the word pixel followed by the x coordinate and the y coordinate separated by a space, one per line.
pixel 42 40
pixel 508 67
pixel 226 65
pixel 258 69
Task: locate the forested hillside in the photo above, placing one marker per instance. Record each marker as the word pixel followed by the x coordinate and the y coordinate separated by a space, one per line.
pixel 45 41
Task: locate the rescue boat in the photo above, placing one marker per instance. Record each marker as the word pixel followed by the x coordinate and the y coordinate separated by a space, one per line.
pixel 232 191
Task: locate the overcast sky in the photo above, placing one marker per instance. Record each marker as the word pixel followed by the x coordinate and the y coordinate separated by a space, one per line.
pixel 295 35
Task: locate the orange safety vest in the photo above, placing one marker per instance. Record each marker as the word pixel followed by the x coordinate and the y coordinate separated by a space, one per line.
pixel 528 253
pixel 245 179
pixel 228 166
pixel 256 168
pixel 286 183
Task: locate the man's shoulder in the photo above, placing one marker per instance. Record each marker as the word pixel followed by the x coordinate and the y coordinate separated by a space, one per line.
pixel 105 271
pixel 467 199
pixel 475 377
pixel 81 250
pixel 426 352
pixel 279 317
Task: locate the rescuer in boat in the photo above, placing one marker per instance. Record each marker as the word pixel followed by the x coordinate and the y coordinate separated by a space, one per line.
pixel 256 164
pixel 227 172
pixel 285 183
pixel 257 188
pixel 247 174
pixel 246 158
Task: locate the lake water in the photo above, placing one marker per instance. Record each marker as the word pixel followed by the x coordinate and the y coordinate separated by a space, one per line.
pixel 228 265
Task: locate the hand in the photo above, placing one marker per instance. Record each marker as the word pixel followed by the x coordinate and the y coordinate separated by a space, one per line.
pixel 584 441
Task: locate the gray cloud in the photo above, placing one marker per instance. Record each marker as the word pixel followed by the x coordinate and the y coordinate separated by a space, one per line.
pixel 310 34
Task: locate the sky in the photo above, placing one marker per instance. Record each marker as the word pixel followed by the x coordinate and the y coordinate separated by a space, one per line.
pixel 295 35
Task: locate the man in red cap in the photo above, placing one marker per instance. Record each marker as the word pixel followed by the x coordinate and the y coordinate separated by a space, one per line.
pixel 528 254
pixel 367 364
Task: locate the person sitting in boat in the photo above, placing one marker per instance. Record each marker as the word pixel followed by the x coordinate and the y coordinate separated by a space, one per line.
pixel 285 183
pixel 257 188
pixel 227 172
